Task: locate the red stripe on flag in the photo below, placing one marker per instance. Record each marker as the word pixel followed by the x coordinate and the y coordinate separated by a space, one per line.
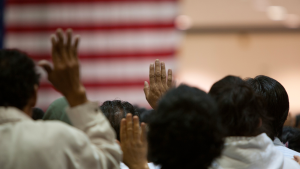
pixel 52 28
pixel 12 2
pixel 160 55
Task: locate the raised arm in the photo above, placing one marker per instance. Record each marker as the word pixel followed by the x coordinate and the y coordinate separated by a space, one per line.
pixel 159 82
pixel 97 147
pixel 134 143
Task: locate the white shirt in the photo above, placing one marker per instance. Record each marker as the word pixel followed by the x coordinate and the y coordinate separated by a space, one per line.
pixel 28 144
pixel 284 150
pixel 253 153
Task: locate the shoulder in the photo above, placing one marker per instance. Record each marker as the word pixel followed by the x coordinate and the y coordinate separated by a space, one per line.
pixel 287 152
pixel 290 164
pixel 45 134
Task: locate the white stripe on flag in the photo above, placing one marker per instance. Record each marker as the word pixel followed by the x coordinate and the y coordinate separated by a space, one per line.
pixel 91 13
pixel 100 41
pixel 133 95
pixel 116 70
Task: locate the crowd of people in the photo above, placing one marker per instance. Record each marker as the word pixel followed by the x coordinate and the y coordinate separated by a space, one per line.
pixel 238 124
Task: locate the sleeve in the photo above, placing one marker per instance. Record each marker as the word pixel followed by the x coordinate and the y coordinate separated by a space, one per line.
pixel 97 147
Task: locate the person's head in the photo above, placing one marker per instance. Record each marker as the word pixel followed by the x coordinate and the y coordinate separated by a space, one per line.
pixel 242 111
pixel 291 138
pixel 115 111
pixel 18 80
pixel 185 130
pixel 276 98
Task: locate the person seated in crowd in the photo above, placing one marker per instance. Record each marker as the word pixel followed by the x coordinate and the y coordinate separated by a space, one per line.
pixel 277 107
pixel 113 110
pixel 291 138
pixel 184 132
pixel 243 115
pixel 37 113
pixel 51 145
pixel 56 111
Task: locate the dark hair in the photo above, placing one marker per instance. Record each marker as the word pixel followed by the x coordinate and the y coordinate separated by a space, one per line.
pixel 115 110
pixel 240 108
pixel 276 98
pixel 17 78
pixel 185 130
pixel 291 137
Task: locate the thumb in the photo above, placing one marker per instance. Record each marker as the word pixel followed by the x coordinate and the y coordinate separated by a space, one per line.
pixel 46 65
pixel 146 88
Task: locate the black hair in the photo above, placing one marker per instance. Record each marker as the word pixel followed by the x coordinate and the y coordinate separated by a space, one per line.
pixel 240 108
pixel 37 113
pixel 115 110
pixel 185 130
pixel 291 137
pixel 276 98
pixel 17 78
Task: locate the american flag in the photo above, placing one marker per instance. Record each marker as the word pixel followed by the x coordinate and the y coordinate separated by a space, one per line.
pixel 119 39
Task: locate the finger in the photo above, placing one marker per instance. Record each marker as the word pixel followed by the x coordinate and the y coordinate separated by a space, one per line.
pixel 164 76
pixel 46 66
pixel 297 158
pixel 136 129
pixel 169 83
pixel 60 45
pixel 75 47
pixel 144 133
pixel 129 127
pixel 123 131
pixel 151 76
pixel 55 54
pixel 146 89
pixel 69 42
pixel 158 76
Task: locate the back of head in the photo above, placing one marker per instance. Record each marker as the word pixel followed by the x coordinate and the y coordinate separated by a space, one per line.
pixel 185 130
pixel 115 110
pixel 17 78
pixel 276 98
pixel 240 108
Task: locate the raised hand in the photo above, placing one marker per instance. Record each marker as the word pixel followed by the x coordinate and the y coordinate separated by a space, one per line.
pixel 64 75
pixel 134 143
pixel 159 83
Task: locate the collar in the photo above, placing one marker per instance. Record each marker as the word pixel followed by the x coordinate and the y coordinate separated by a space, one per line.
pixel 277 142
pixel 12 114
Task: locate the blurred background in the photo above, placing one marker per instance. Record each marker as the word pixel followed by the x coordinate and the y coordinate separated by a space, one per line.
pixel 201 40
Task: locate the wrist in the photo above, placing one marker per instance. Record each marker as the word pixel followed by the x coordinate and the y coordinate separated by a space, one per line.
pixel 76 98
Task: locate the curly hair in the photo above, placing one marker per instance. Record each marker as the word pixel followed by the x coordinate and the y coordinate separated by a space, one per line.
pixel 115 110
pixel 240 107
pixel 17 78
pixel 185 131
pixel 276 98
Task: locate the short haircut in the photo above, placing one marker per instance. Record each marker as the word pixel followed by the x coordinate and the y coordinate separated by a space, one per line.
pixel 185 130
pixel 115 111
pixel 240 108
pixel 276 98
pixel 18 77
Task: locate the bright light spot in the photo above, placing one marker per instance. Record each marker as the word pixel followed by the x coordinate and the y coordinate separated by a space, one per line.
pixel 183 22
pixel 292 21
pixel 276 13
